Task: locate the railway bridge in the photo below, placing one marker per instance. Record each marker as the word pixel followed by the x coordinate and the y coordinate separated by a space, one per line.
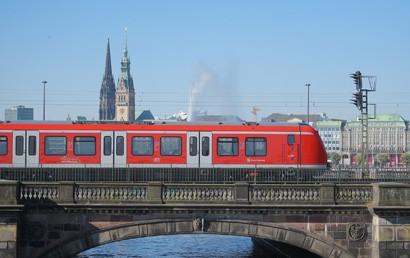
pixel 62 219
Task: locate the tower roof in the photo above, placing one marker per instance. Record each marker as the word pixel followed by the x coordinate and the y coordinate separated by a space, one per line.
pixel 108 70
pixel 125 78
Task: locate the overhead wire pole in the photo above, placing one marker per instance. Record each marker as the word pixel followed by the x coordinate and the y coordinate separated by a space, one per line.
pixel 44 99
pixel 308 104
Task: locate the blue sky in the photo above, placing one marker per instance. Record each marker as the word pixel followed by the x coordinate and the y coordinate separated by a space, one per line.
pixel 259 53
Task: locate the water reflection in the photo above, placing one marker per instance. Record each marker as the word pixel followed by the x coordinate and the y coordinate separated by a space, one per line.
pixel 193 245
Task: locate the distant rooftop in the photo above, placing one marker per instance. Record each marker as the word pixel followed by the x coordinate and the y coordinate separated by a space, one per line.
pixel 382 120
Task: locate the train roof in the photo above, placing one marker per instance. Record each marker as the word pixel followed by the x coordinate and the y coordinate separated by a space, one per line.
pixel 65 122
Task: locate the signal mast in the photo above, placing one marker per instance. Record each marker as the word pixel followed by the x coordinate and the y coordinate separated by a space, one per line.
pixel 360 100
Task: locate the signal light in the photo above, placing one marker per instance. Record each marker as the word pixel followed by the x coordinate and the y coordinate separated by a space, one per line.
pixel 357 100
pixel 357 77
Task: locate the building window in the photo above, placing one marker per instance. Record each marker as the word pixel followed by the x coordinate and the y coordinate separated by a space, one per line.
pixel 55 145
pixel 227 146
pixel 84 145
pixel 171 146
pixel 142 146
pixel 3 145
pixel 255 146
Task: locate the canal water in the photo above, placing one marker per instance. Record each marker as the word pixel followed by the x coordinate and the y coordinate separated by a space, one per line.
pixel 193 245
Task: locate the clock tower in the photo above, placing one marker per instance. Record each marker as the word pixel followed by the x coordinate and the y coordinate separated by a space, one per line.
pixel 125 93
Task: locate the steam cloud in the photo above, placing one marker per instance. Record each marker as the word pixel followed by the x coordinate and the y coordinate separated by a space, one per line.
pixel 208 96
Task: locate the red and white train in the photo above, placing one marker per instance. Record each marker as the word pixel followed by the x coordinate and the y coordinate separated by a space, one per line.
pixel 184 145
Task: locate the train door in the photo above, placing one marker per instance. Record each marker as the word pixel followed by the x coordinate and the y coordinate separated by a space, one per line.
pixel 206 149
pixel 292 150
pixel 32 148
pixel 199 149
pixel 113 149
pixel 193 149
pixel 120 147
pixel 107 149
pixel 25 148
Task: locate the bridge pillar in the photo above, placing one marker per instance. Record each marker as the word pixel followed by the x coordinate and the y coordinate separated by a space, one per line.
pixel 327 193
pixel 9 192
pixel 241 193
pixel 8 219
pixel 154 194
pixel 66 190
pixel 8 236
pixel 391 220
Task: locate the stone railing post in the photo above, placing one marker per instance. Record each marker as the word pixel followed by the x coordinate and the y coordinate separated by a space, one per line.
pixel 9 192
pixel 66 192
pixel 327 193
pixel 154 192
pixel 241 193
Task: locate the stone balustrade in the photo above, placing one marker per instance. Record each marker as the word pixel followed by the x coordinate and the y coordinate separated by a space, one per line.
pixel 239 193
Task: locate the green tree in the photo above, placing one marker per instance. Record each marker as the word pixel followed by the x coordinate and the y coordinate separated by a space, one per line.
pixel 335 158
pixel 406 158
pixel 359 158
pixel 383 158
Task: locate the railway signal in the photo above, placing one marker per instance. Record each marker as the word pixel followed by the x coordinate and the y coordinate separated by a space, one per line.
pixel 357 100
pixel 357 77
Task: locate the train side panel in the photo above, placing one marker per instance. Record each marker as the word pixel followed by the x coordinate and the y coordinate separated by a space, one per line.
pixel 156 149
pixel 272 146
pixel 70 149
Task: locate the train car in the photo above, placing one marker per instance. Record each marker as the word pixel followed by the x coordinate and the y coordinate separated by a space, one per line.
pixel 197 147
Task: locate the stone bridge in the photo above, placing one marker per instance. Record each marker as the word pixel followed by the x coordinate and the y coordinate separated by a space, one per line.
pixel 330 220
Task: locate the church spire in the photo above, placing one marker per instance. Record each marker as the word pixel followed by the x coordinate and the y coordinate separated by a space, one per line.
pixel 107 92
pixel 108 70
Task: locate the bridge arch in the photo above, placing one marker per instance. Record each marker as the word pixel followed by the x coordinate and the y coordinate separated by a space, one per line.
pixel 296 237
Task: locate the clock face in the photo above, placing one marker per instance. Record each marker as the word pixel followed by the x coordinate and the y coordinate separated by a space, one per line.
pixel 122 110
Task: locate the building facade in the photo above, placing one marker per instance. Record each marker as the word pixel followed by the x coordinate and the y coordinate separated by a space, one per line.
pixel 18 113
pixel 125 93
pixel 107 92
pixel 387 134
pixel 331 133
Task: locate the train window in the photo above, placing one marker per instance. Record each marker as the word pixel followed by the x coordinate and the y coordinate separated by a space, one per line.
pixel 107 145
pixel 3 145
pixel 291 139
pixel 19 145
pixel 119 146
pixel 227 146
pixel 32 145
pixel 84 145
pixel 142 146
pixel 255 146
pixel 205 146
pixel 171 146
pixel 193 146
pixel 55 145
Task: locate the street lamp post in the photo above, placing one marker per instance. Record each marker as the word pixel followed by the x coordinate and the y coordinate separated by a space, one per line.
pixel 308 103
pixel 44 99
